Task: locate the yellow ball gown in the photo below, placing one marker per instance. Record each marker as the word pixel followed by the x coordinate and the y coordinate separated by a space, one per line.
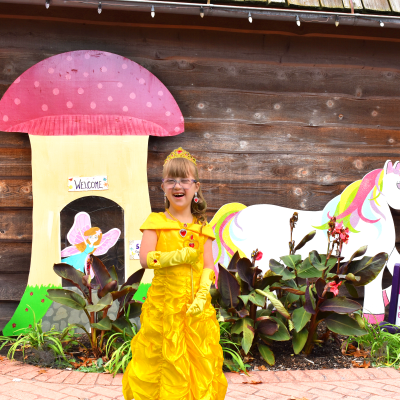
pixel 174 356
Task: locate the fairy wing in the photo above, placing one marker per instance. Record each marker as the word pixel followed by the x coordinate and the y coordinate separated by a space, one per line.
pixel 107 241
pixel 69 251
pixel 81 224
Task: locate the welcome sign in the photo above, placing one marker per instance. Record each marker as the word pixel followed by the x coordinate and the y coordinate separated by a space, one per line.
pixel 86 183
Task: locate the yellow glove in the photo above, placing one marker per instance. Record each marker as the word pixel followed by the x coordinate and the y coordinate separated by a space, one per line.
pixel 207 278
pixel 162 259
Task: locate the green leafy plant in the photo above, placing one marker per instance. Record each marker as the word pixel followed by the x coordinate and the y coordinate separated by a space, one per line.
pixel 46 348
pixel 300 293
pixel 383 347
pixel 108 291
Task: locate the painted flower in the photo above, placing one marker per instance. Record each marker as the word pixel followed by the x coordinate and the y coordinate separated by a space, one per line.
pixel 42 300
pixel 31 293
pixel 14 325
pixel 26 310
pixel 334 287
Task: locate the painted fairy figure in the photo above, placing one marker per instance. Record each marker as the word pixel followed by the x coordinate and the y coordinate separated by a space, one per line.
pixel 86 240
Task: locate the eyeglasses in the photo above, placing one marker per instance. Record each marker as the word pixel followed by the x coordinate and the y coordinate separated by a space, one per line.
pixel 185 183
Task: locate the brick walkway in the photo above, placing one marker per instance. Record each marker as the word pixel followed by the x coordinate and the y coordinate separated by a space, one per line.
pixel 24 382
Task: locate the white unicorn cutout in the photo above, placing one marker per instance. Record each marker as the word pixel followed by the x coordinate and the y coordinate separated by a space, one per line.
pixel 363 207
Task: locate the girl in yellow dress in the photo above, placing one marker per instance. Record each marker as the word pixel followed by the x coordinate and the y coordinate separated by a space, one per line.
pixel 176 354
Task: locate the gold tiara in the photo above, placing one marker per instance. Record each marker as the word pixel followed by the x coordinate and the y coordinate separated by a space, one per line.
pixel 180 153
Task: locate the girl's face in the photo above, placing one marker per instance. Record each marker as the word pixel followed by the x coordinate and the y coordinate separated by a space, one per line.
pixel 93 238
pixel 181 193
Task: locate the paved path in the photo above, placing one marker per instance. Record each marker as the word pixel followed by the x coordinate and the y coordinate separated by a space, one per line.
pixel 24 382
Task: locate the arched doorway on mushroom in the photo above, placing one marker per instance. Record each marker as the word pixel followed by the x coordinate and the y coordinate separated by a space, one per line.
pixel 88 115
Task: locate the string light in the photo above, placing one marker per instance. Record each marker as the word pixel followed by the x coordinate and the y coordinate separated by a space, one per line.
pixel 99 8
pixel 298 20
pixel 337 21
pixel 381 23
pixel 47 4
pixel 250 18
pixel 201 12
pixel 153 13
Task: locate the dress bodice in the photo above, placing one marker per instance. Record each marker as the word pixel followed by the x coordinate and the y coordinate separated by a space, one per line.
pixel 173 235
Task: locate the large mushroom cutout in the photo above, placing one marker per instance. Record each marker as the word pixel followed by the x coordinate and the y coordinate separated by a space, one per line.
pixel 88 113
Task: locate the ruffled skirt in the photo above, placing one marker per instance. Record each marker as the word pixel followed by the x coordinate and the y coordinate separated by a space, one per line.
pixel 175 357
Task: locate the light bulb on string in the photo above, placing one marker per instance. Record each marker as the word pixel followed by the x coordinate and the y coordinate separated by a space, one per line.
pixel 250 18
pixel 298 20
pixel 153 13
pixel 337 21
pixel 201 12
pixel 99 9
pixel 47 5
pixel 381 23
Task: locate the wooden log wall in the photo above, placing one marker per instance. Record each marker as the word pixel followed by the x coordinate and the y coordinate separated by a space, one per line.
pixel 274 113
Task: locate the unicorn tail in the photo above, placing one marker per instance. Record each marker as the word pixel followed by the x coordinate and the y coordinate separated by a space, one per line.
pixel 223 246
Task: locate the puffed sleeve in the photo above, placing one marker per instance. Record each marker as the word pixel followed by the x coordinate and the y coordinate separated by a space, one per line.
pixel 152 222
pixel 208 231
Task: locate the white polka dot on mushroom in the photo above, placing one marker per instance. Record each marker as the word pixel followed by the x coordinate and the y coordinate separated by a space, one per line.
pixel 160 93
pixel 168 113
pixel 177 129
pixel 85 74
pixel 69 58
pixel 124 66
pixel 18 80
pixel 132 96
pixel 148 104
pixel 92 105
pixel 50 70
pixel 99 85
pixel 56 91
pixel 45 107
pixel 36 84
pixel 68 77
pixel 17 101
pixel 119 84
pixel 69 104
pixel 125 108
pixel 5 118
pixel 81 91
pixel 142 81
pixel 87 56
pixel 103 69
pixel 110 98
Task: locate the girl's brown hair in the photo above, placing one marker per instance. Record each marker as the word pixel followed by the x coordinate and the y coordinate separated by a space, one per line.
pixel 181 168
pixel 82 246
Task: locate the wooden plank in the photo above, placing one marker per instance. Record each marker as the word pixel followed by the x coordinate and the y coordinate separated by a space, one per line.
pixel 14 139
pixel 332 3
pixel 304 3
pixel 16 225
pixel 377 5
pixel 16 193
pixel 15 162
pixel 357 4
pixel 262 108
pixel 12 286
pixel 7 309
pixel 15 258
pixel 395 5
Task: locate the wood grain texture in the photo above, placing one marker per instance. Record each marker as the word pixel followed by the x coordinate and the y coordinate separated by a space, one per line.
pixel 16 193
pixel 376 5
pixel 395 5
pixel 16 225
pixel 337 4
pixel 357 4
pixel 15 258
pixel 12 286
pixel 15 162
pixel 304 3
pixel 7 309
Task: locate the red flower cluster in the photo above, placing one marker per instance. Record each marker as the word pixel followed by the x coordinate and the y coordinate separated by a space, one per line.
pixel 338 231
pixel 257 255
pixel 333 287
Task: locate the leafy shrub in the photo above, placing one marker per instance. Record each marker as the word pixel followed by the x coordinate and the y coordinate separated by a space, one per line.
pixel 301 294
pixel 108 292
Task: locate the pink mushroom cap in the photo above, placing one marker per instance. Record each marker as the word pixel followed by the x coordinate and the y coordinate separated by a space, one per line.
pixel 89 92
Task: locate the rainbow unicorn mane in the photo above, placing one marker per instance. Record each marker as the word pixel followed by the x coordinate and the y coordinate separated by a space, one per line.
pixel 356 199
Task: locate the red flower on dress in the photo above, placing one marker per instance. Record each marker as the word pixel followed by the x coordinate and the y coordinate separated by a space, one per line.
pixel 334 287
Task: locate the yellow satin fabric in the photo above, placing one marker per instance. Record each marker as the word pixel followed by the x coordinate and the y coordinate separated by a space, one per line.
pixel 174 356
